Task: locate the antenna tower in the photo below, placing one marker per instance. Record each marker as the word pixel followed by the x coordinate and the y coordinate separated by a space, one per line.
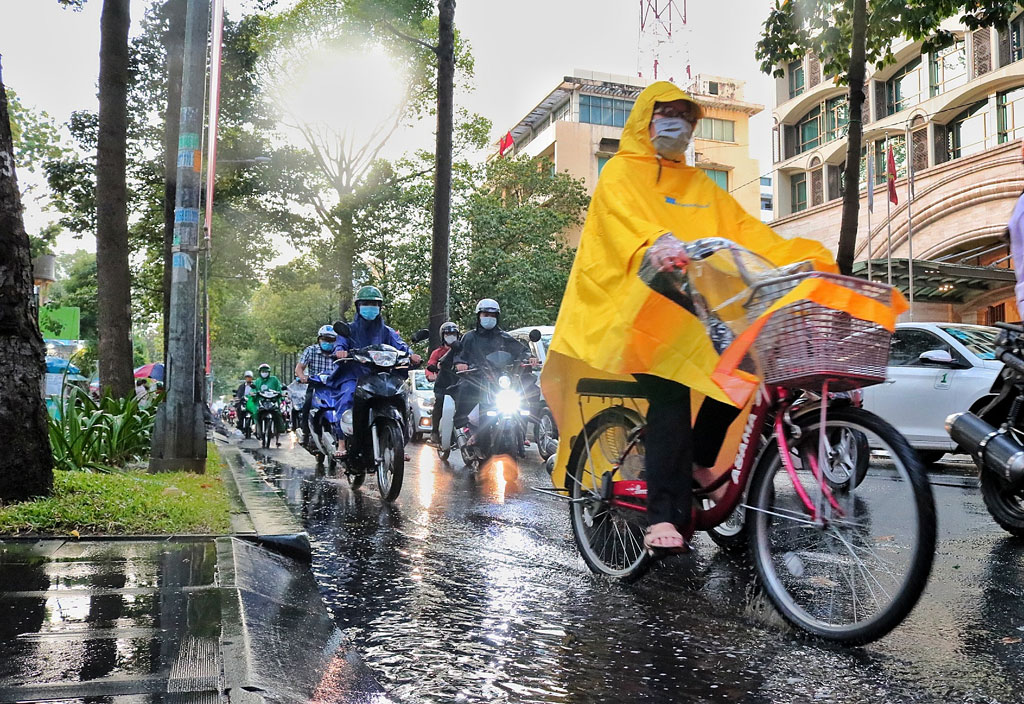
pixel 663 46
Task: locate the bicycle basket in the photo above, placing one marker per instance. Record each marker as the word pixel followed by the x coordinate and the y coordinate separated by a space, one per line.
pixel 804 344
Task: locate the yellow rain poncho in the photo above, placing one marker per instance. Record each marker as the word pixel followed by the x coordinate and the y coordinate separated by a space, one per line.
pixel 612 325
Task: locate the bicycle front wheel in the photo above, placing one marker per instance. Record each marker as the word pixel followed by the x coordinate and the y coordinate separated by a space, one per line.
pixel 855 571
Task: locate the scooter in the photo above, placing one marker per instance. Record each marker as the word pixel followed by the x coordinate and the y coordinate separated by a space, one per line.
pixel 267 401
pixel 374 427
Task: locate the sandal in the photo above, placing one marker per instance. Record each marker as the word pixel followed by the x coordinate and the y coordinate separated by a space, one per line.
pixel 665 537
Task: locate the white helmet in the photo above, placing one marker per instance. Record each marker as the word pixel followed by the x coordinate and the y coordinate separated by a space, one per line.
pixel 248 372
pixel 487 305
pixel 327 331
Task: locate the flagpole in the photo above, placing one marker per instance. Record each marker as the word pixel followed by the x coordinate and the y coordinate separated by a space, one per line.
pixel 910 228
pixel 888 212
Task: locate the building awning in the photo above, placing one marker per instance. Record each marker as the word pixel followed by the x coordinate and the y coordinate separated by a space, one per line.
pixel 941 282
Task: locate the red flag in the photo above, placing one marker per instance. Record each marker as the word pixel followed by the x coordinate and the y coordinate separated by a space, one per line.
pixel 505 144
pixel 891 177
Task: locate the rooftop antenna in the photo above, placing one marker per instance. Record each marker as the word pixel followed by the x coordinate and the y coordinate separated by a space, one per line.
pixel 663 46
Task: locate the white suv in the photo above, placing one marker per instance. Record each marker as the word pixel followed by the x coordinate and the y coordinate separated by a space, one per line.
pixel 935 369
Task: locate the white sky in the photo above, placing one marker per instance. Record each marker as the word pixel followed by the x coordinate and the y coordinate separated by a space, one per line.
pixel 522 51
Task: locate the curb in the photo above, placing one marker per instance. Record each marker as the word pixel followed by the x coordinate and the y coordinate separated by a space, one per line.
pixel 274 525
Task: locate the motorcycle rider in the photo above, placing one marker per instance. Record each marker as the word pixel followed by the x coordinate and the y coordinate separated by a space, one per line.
pixel 367 329
pixel 485 339
pixel 440 370
pixel 242 396
pixel 316 359
pixel 267 381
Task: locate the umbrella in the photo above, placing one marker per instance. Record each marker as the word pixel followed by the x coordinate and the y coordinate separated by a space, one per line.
pixel 56 365
pixel 153 370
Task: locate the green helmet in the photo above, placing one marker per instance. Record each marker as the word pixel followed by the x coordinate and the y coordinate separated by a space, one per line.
pixel 369 294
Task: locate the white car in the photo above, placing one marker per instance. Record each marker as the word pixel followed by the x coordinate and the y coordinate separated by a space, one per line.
pixel 935 369
pixel 420 397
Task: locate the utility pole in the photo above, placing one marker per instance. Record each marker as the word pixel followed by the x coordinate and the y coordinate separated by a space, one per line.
pixel 439 258
pixel 179 439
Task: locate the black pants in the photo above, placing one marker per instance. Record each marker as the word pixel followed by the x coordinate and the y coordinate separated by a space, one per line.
pixel 304 411
pixel 673 446
pixel 467 396
pixel 435 413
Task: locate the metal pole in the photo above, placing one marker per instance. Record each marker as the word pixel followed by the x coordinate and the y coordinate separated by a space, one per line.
pixel 179 438
pixel 910 228
pixel 216 39
pixel 869 169
pixel 888 207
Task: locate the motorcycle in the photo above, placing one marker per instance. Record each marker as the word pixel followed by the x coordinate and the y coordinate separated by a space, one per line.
pixel 245 420
pixel 267 401
pixel 994 436
pixel 498 423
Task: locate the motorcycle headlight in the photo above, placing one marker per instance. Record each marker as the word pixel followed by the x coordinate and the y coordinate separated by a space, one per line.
pixel 504 382
pixel 507 401
pixel 384 358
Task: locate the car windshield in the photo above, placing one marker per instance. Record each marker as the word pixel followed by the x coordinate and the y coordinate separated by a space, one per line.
pixel 422 383
pixel 980 341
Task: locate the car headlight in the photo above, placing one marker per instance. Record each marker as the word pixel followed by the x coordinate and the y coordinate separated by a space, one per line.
pixel 426 403
pixel 507 401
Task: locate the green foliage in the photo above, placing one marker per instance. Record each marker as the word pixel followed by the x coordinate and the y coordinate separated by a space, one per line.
pixel 36 135
pixel 825 28
pixel 175 503
pixel 76 287
pixel 99 435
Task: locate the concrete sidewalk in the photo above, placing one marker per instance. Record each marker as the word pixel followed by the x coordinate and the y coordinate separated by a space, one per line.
pixel 180 619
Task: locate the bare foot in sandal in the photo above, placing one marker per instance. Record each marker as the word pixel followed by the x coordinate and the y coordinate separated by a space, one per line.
pixel 664 536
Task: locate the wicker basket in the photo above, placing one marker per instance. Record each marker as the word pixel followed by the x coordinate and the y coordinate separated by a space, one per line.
pixel 804 344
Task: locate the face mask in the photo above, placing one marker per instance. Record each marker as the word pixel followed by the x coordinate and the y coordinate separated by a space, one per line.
pixel 450 339
pixel 369 312
pixel 265 375
pixel 488 323
pixel 326 346
pixel 671 137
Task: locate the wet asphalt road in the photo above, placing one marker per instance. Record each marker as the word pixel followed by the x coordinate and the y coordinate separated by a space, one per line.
pixel 470 589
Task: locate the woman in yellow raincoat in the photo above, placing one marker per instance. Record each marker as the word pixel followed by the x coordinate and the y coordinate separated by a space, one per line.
pixel 612 325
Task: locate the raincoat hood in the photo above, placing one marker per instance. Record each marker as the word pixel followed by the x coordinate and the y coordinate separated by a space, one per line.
pixel 636 139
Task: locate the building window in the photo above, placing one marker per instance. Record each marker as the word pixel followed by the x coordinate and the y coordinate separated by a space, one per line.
pixel 968 131
pixel 766 181
pixel 1010 114
pixel 796 78
pixel 596 110
pixel 562 113
pixel 712 87
pixel 906 88
pixel 947 69
pixel 798 192
pixel 837 117
pixel 721 178
pixel 718 130
pixel 1017 38
pixel 766 202
pixel 995 314
pixel 808 131
pixel 601 161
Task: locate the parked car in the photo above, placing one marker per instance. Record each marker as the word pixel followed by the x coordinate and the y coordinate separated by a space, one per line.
pixel 545 434
pixel 935 369
pixel 421 404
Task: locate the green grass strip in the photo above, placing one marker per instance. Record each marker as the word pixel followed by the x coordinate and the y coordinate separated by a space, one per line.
pixel 126 503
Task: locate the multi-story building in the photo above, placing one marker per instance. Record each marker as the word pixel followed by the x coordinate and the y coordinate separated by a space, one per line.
pixel 956 117
pixel 767 199
pixel 579 123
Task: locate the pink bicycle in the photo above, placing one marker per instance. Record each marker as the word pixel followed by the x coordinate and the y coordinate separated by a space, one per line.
pixel 843 544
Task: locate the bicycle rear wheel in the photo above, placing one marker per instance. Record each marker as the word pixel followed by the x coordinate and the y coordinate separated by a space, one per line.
pixel 610 539
pixel 856 574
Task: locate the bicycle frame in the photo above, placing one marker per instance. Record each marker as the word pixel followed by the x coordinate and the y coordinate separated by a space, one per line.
pixel 772 403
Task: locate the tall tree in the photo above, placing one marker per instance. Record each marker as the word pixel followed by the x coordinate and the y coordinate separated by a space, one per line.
pixel 113 275
pixel 439 251
pixel 26 467
pixel 845 35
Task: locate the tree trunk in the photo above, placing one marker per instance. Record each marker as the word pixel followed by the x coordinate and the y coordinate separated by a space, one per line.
pixel 175 63
pixel 26 465
pixel 443 170
pixel 345 247
pixel 851 189
pixel 113 276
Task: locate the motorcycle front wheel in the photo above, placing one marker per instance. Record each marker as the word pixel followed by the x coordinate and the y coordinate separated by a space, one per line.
pixel 391 463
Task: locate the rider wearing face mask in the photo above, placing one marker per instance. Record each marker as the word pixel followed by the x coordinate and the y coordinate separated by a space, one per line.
pixel 486 338
pixel 315 360
pixel 266 380
pixel 613 326
pixel 440 370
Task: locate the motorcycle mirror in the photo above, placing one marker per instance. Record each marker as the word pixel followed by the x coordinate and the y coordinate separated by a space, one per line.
pixel 420 335
pixel 535 335
pixel 341 327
